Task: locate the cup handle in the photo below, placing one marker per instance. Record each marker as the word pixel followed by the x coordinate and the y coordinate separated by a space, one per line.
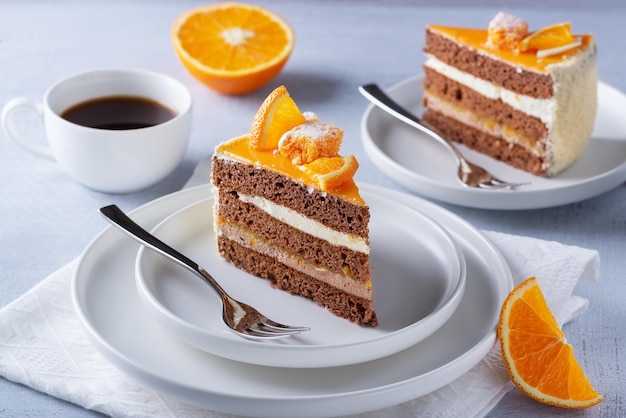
pixel 11 131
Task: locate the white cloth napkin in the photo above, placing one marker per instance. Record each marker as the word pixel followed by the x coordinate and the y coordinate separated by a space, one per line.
pixel 42 344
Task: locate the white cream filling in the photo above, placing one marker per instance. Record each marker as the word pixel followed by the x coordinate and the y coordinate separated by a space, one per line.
pixel 543 109
pixel 309 226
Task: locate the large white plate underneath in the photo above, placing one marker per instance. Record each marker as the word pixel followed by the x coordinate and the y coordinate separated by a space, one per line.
pixel 106 301
pixel 418 275
pixel 426 167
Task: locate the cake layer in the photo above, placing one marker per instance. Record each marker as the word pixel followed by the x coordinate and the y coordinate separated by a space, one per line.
pixel 508 135
pixel 239 149
pixel 319 252
pixel 341 281
pixel 306 225
pixel 528 129
pixel 481 141
pixel 233 176
pixel 511 77
pixel 353 308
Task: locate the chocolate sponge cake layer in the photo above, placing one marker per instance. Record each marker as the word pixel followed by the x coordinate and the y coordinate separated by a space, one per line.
pixel 492 110
pixel 331 211
pixel 264 227
pixel 513 78
pixel 512 154
pixel 353 308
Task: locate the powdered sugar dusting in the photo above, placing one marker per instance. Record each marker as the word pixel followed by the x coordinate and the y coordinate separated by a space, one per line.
pixel 508 22
pixel 310 141
pixel 506 31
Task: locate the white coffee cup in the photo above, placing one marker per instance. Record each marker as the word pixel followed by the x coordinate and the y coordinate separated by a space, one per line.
pixel 114 161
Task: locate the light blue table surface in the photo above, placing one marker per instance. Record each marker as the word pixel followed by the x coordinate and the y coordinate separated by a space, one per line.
pixel 46 219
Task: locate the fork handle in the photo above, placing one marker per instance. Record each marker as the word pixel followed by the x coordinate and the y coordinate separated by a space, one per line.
pixel 118 218
pixel 378 97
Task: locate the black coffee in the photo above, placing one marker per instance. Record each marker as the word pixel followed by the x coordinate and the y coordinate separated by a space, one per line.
pixel 119 112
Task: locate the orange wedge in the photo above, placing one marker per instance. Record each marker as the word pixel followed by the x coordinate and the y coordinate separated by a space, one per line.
pixel 233 48
pixel 331 172
pixel 538 358
pixel 278 114
pixel 552 36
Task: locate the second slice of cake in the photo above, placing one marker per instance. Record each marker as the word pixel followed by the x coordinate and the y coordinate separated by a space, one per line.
pixel 527 99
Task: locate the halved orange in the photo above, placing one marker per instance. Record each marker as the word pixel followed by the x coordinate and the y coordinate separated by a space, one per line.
pixel 537 355
pixel 331 172
pixel 278 114
pixel 552 36
pixel 233 48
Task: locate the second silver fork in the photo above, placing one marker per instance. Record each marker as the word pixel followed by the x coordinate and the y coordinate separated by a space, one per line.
pixel 469 174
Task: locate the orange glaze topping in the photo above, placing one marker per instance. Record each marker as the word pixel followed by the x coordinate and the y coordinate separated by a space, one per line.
pixel 477 39
pixel 239 149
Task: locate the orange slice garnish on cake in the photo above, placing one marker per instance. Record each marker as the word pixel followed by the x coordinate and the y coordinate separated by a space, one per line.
pixel 233 48
pixel 550 37
pixel 331 172
pixel 278 114
pixel 536 353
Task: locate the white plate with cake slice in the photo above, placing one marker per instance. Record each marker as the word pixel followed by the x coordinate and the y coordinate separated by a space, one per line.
pixel 119 327
pixel 418 276
pixel 426 167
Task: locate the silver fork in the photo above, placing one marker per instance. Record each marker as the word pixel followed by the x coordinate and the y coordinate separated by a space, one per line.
pixel 241 318
pixel 469 174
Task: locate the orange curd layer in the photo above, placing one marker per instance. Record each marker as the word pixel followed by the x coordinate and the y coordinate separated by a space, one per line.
pixel 477 39
pixel 239 149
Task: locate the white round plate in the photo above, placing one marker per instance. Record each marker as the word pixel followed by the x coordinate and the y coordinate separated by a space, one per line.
pixel 115 320
pixel 418 276
pixel 426 167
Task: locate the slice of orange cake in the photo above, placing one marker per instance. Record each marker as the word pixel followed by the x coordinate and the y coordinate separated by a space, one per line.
pixel 526 98
pixel 287 209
